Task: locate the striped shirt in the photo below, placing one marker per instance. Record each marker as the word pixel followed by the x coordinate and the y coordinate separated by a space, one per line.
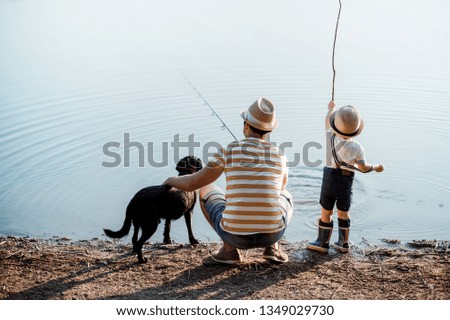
pixel 254 171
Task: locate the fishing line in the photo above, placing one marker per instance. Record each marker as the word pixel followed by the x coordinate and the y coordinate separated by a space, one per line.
pixel 334 48
pixel 206 103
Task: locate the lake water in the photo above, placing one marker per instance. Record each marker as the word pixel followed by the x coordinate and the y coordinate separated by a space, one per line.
pixel 76 75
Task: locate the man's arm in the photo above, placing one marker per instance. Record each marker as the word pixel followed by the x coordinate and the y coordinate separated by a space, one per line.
pixel 285 181
pixel 191 182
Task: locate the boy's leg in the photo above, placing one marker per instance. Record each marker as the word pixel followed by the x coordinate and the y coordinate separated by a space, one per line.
pixel 344 230
pixel 326 216
pixel 343 204
pixel 345 215
pixel 327 201
pixel 325 230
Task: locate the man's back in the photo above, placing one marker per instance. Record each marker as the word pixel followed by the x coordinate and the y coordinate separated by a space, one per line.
pixel 254 172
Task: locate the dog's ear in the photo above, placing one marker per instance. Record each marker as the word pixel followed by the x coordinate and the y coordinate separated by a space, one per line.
pixel 183 165
pixel 189 164
pixel 196 164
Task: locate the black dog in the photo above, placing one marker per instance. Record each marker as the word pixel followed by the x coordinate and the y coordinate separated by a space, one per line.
pixel 152 204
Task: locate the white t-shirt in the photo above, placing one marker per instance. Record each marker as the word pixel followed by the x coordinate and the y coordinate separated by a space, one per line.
pixel 348 151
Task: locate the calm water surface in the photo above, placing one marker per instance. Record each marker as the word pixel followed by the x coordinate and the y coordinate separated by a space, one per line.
pixel 75 75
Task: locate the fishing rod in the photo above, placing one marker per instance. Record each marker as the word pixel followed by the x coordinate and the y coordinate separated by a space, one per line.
pixel 333 137
pixel 206 103
pixel 334 48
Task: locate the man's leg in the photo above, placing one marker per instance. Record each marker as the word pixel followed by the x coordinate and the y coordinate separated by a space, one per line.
pixel 228 253
pixel 274 252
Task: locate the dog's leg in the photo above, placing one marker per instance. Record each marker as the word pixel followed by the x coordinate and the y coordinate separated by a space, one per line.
pixel 188 219
pixel 135 236
pixel 147 232
pixel 167 225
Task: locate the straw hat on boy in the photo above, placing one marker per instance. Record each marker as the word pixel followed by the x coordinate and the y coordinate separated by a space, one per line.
pixel 261 115
pixel 346 122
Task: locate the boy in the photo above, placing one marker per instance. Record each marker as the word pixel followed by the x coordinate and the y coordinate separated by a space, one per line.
pixel 344 156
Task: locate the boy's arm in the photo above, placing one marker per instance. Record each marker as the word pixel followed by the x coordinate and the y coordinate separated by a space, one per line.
pixel 331 108
pixel 363 165
pixel 366 167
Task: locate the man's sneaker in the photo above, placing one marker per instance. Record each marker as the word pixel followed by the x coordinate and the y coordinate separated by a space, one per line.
pixel 230 257
pixel 342 247
pixel 275 255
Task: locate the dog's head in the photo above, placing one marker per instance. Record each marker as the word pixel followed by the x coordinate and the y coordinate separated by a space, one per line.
pixel 188 165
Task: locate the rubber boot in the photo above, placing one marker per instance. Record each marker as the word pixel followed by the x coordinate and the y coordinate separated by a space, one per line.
pixel 323 239
pixel 344 230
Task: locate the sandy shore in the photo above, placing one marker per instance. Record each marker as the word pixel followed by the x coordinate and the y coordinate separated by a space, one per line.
pixel 59 268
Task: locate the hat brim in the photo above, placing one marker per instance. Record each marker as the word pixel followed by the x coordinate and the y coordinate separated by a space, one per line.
pixel 244 115
pixel 341 134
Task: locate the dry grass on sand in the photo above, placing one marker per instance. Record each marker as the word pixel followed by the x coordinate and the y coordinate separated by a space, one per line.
pixel 99 269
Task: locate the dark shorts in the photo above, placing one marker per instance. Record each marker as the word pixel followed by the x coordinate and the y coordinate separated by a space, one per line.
pixel 214 204
pixel 336 189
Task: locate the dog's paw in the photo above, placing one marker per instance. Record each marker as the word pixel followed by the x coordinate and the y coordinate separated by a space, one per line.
pixel 194 241
pixel 142 260
pixel 167 241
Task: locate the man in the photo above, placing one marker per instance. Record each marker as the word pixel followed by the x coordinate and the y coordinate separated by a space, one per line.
pixel 256 208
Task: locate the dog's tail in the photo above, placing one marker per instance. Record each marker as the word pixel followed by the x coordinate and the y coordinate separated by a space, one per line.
pixel 124 230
